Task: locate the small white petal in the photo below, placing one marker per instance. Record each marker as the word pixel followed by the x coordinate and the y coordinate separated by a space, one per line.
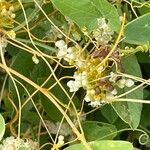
pixel 35 59
pixel 112 77
pixel 87 98
pixel 60 138
pixel 61 143
pixel 114 92
pixel 121 83
pixel 129 83
pixel 60 44
pixel 95 103
pixel 70 50
pixel 72 86
pixel 61 53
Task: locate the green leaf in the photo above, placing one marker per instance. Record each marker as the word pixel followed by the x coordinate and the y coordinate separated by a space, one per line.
pixel 138 30
pixel 109 113
pixel 99 130
pixel 23 64
pixel 143 58
pixel 49 107
pixel 86 12
pixel 104 145
pixel 109 12
pixel 83 13
pixel 130 112
pixel 2 127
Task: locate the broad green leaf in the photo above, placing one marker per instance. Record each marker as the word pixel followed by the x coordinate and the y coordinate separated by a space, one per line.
pixel 145 59
pixel 23 64
pixel 2 127
pixel 86 12
pixel 27 1
pixel 49 107
pixel 138 30
pixel 39 74
pixel 109 113
pixel 130 112
pixel 144 121
pixel 104 145
pixel 99 130
pixel 109 12
pixel 144 10
pixel 83 13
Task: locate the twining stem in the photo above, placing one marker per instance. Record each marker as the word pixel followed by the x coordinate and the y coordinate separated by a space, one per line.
pixel 49 96
pixel 115 45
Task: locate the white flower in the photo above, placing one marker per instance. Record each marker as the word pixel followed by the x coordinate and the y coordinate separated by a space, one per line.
pixel 129 83
pixel 109 95
pixel 114 92
pixel 62 53
pixel 71 54
pixel 102 23
pixel 60 44
pixel 80 81
pixel 125 82
pixel 121 83
pixel 81 78
pixel 95 103
pixel 35 59
pixel 73 87
pixel 113 77
pixel 13 15
pixel 88 98
pixel 60 140
pixel 10 143
pixel 103 34
pixel 70 57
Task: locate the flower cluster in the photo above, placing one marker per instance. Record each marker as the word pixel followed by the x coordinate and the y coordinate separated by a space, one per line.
pixel 69 54
pixel 60 140
pixel 95 77
pixel 11 143
pixel 6 14
pixel 80 81
pixel 7 11
pixel 3 39
pixel 103 34
pixel 121 83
